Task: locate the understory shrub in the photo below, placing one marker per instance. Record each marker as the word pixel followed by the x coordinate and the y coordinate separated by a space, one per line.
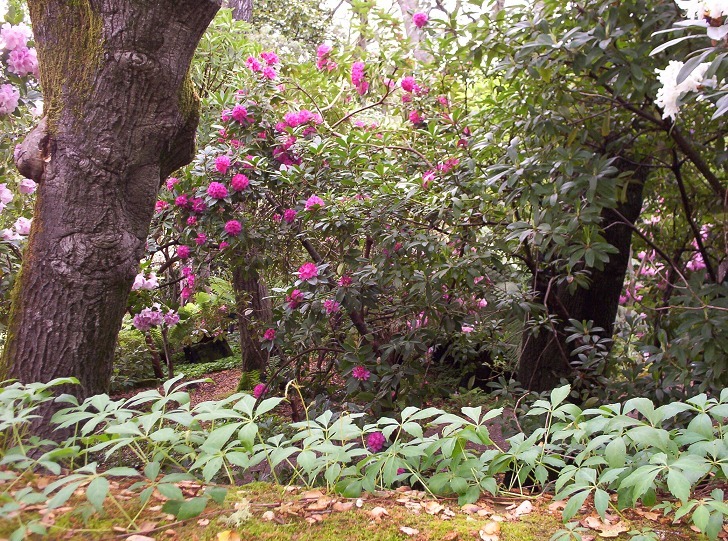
pixel 634 450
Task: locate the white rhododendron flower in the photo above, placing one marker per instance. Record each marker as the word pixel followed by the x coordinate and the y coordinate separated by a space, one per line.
pixel 711 14
pixel 668 97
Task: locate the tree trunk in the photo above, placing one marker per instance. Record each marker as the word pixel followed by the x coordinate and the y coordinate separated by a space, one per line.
pixel 254 309
pixel 408 8
pixel 121 116
pixel 545 358
pixel 242 9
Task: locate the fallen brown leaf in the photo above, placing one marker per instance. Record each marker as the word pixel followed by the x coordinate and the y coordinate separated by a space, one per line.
pixel 342 506
pixel 378 513
pixel 137 537
pixel 228 535
pixel 269 516
pixel 525 508
pixel 470 509
pixel 433 508
pixel 408 531
pixel 313 519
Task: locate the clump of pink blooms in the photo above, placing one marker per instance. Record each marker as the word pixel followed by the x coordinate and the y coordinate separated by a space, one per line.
pixel 307 271
pixel 331 306
pixel 259 390
pixel 23 62
pixel 183 252
pixel 233 228
pixel 289 215
pixel 153 317
pixel 222 163
pixel 297 118
pixel 239 182
pixel 361 373
pixel 269 334
pixel 323 61
pixel 9 97
pixel 217 190
pixel 27 186
pixel 264 67
pixel 5 196
pixel 416 118
pixel 140 282
pixel 294 299
pixel 420 19
pixel 22 226
pixel 358 78
pixel 345 280
pixel 314 203
pixel 376 441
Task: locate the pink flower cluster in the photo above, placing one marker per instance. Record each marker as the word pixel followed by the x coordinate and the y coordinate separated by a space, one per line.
pixel 298 118
pixel 358 77
pixel 22 61
pixel 140 282
pixel 269 334
pixel 323 62
pixel 420 19
pixel 294 299
pixel 289 215
pixel 9 97
pixel 153 317
pixel 233 228
pixel 331 306
pixel 361 373
pixel 222 163
pixel 264 67
pixel 376 441
pixel 314 203
pixel 307 271
pixel 217 190
pixel 259 390
pixel 239 182
pixel 171 183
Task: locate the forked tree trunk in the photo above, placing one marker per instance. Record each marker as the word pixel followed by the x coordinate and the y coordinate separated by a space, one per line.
pixel 546 357
pixel 121 116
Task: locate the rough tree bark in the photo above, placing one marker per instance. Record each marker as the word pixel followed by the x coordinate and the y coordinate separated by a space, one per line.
pixel 121 116
pixel 242 9
pixel 546 357
pixel 253 307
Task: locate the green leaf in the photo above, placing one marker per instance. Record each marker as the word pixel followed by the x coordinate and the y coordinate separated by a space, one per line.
pixel 191 508
pixel 559 394
pixel 678 485
pixel 97 491
pixel 574 504
pixel 219 437
pixel 63 495
pixel 616 453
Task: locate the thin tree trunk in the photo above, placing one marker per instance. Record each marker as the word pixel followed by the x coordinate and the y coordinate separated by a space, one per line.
pixel 408 8
pixel 254 311
pixel 545 358
pixel 121 116
pixel 242 9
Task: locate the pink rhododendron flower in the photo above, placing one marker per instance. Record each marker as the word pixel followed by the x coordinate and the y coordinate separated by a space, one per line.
pixel 269 73
pixel 308 271
pixel 23 62
pixel 415 118
pixel 22 226
pixel 233 227
pixel 140 282
pixel 270 58
pixel 183 252
pixel 14 37
pixel 5 196
pixel 27 186
pixel 277 218
pixel 420 19
pixel 427 178
pixel 289 215
pixel 323 62
pixel 259 390
pixel 239 182
pixel 224 245
pixel 192 220
pixel 345 280
pixel 323 50
pixel 253 64
pixel 357 77
pixel 361 373
pixel 9 96
pixel 376 441
pixel 240 113
pixel 182 201
pixel 294 299
pixel 314 203
pixel 331 306
pixel 269 334
pixel 467 329
pixel 171 183
pixel 222 163
pixel 408 84
pixel 216 190
pixel 160 205
pixel 406 98
pixel 171 318
pixel 200 239
pixel 148 318
pixel 442 100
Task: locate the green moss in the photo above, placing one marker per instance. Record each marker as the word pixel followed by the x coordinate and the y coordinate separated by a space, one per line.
pixel 69 52
pixel 189 101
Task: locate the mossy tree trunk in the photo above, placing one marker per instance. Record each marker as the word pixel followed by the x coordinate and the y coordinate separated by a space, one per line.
pixel 546 357
pixel 121 115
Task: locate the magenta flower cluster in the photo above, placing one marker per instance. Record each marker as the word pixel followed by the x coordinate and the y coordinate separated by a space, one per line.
pixel 376 441
pixel 217 190
pixel 233 228
pixel 307 271
pixel 259 390
pixel 323 61
pixel 361 373
pixel 152 317
pixel 358 78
